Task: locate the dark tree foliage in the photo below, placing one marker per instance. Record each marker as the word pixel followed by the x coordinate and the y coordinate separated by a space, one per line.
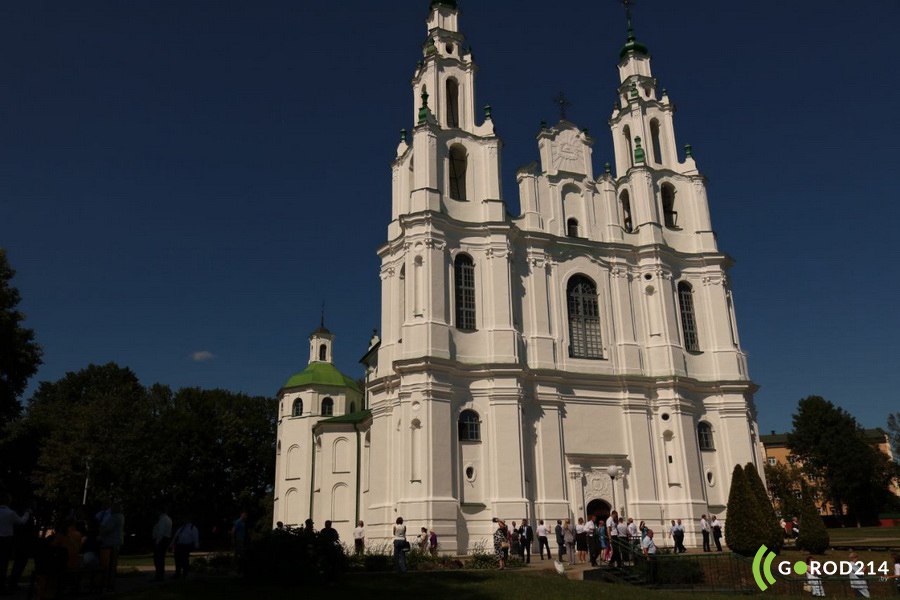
pixel 769 522
pixel 295 557
pixel 205 454
pixel 835 452
pixel 742 531
pixel 20 355
pixel 813 535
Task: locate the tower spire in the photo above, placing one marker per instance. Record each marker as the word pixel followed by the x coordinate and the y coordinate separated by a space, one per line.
pixel 631 43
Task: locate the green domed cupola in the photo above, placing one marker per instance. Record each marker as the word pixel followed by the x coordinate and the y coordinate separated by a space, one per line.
pixel 631 44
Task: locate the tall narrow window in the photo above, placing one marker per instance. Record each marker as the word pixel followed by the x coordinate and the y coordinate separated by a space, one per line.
pixel 327 407
pixel 705 436
pixel 352 408
pixel 452 103
pixel 628 147
pixel 572 228
pixel 469 426
pixel 464 272
pixel 670 217
pixel 457 173
pixel 584 319
pixel 625 201
pixel 402 297
pixel 688 319
pixel 297 408
pixel 418 286
pixel 654 138
pixel 323 351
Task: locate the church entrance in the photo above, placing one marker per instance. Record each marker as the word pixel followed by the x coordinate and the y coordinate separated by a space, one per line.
pixel 598 508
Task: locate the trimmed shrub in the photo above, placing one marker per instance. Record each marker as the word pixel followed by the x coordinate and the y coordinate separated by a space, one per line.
pixel 769 522
pixel 813 535
pixel 743 533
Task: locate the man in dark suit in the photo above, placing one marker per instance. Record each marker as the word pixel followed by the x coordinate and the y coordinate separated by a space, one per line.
pixel 526 534
pixel 560 540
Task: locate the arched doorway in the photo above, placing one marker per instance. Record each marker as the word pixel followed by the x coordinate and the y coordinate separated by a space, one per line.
pixel 598 508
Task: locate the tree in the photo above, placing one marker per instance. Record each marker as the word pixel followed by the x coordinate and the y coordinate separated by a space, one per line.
pixel 742 531
pixel 813 535
pixel 769 522
pixel 783 482
pixel 20 355
pixel 835 451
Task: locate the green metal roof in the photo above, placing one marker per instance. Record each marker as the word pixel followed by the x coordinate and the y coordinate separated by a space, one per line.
pixel 448 3
pixel 632 45
pixel 321 373
pixel 357 417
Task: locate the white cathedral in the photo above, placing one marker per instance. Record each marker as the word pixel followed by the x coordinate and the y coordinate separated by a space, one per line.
pixel 579 357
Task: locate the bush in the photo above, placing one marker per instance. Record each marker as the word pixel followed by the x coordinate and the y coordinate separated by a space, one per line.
pixel 743 532
pixel 769 522
pixel 294 557
pixel 813 535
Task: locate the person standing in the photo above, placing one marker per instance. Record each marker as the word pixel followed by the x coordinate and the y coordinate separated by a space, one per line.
pixel 542 539
pixel 897 571
pixel 716 532
pixel 590 533
pixel 9 519
pixel 501 543
pixel 678 536
pixel 432 542
pixel 704 531
pixel 526 538
pixel 612 524
pixel 560 539
pixel 162 537
pixel 570 535
pixel 859 585
pixel 359 538
pixel 626 547
pixel 330 534
pixel 581 541
pixel 239 536
pixel 112 536
pixel 186 539
pixel 400 545
pixel 648 546
pixel 603 541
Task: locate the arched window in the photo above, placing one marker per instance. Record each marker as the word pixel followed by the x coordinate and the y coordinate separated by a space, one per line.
pixel 352 408
pixel 670 217
pixel 584 319
pixel 705 436
pixel 452 103
pixel 297 408
pixel 323 351
pixel 688 319
pixel 327 407
pixel 469 426
pixel 625 201
pixel 572 228
pixel 457 173
pixel 464 271
pixel 628 145
pixel 654 139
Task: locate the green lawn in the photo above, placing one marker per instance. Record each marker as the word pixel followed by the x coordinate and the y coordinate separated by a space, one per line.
pixel 459 585
pixel 879 536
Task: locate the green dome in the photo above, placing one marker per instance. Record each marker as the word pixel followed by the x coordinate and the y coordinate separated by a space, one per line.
pixel 321 373
pixel 632 45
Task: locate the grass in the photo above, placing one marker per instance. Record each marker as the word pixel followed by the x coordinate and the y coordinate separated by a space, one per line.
pixel 877 536
pixel 458 585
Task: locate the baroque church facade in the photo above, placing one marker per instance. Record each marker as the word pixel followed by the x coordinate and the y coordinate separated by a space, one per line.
pixel 579 357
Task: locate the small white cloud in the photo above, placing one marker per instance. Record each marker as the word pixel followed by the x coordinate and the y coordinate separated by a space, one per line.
pixel 202 356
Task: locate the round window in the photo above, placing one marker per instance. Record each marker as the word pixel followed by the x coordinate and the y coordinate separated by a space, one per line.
pixel 648 276
pixel 470 473
pixel 710 478
pixel 665 416
pixel 449 48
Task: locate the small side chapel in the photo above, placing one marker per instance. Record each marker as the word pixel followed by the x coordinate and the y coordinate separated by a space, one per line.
pixel 580 357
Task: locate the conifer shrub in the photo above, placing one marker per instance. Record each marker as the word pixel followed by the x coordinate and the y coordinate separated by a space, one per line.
pixel 742 531
pixel 813 535
pixel 769 522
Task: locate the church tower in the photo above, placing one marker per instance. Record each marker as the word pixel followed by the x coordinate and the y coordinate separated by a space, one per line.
pixel 580 357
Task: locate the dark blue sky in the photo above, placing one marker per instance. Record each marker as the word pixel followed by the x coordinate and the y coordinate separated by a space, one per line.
pixel 183 176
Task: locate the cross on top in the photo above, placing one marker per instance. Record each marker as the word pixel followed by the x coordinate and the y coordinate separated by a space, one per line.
pixel 627 4
pixel 563 103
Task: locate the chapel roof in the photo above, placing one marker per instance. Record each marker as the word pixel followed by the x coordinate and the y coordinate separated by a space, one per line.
pixel 321 373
